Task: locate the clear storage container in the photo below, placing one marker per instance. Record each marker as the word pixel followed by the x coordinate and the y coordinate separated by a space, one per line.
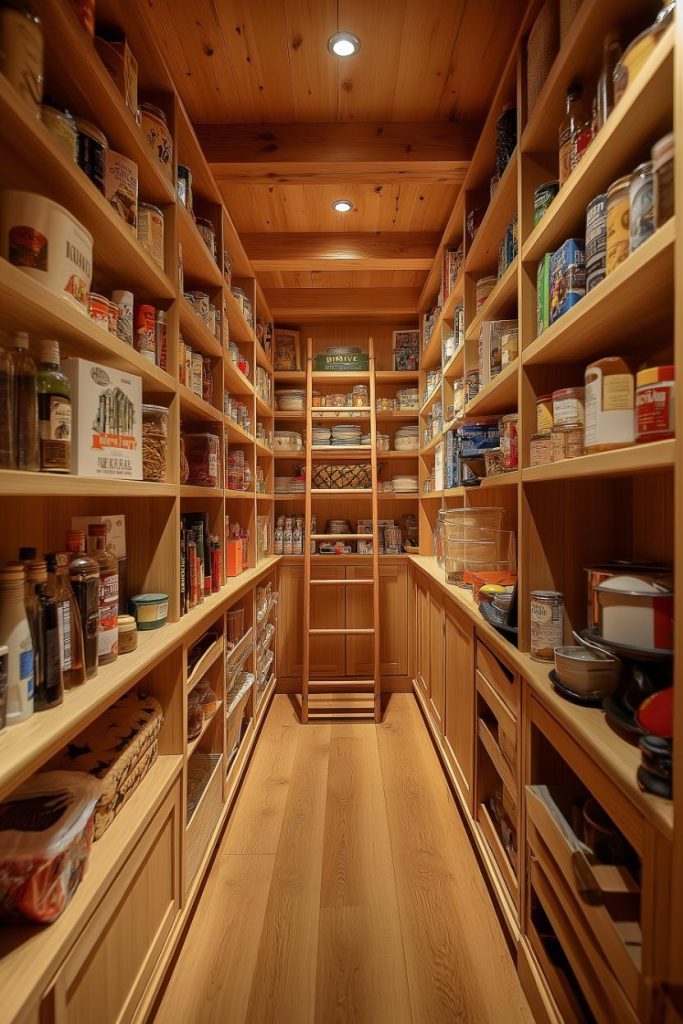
pixel 203 453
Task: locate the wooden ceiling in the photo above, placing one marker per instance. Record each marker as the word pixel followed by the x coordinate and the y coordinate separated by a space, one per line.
pixel 288 128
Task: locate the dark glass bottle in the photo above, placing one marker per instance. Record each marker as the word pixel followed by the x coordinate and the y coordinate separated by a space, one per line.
pixel 69 619
pixel 84 573
pixel 25 404
pixel 42 614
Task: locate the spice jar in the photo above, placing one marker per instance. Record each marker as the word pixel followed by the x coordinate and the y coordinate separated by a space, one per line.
pixel 195 715
pixel 609 408
pixel 154 442
pixel 655 391
pixel 203 452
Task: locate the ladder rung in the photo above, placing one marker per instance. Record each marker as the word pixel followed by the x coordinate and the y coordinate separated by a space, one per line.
pixel 347 583
pixel 341 632
pixel 343 685
pixel 341 536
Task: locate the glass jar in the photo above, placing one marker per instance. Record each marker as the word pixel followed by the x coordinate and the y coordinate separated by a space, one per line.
pixel 154 442
pixel 203 453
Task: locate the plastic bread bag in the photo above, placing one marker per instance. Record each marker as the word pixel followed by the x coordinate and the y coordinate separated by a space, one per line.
pixel 46 831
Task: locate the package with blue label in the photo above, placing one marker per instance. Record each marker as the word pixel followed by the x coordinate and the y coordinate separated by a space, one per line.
pixel 567 277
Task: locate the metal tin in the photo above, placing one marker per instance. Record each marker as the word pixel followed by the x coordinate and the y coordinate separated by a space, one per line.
pixel 618 231
pixel 596 241
pixel 567 277
pixel 568 406
pixel 92 152
pixel 149 610
pixel 547 623
pixel 151 232
pixel 655 391
pixel 62 126
pixel 566 441
pixel 642 205
pixel 145 341
pixel 509 445
pixel 98 307
pixel 184 186
pixel 540 450
pixel 543 197
pixel 544 414
pixel 157 136
pixel 124 324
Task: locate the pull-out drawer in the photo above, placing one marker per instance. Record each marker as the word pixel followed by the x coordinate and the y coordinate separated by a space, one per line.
pixel 606 898
pixel 497 728
pixel 501 676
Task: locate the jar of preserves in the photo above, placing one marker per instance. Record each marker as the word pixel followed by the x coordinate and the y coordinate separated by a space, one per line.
pixel 203 454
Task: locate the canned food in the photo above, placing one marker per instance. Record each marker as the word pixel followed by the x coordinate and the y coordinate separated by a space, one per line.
pixel 92 152
pixel 663 167
pixel 113 318
pixel 543 197
pixel 62 126
pixel 566 441
pixel 641 203
pixel 98 306
pixel 609 402
pixel 145 341
pixel 567 277
pixel 157 136
pixel 485 286
pixel 509 441
pixel 568 406
pixel 596 241
pixel 655 390
pixel 151 232
pixel 124 323
pixel 540 450
pixel 544 414
pixel 618 231
pixel 547 623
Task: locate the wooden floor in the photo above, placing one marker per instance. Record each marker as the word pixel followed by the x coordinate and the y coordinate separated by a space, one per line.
pixel 345 889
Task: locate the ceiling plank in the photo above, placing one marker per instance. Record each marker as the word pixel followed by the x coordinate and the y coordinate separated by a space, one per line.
pixel 343 251
pixel 369 152
pixel 317 303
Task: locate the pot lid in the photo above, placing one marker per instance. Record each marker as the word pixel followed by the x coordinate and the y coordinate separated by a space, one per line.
pixel 638 586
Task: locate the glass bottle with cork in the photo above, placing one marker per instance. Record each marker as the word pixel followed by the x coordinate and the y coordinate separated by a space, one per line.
pixel 42 613
pixel 84 575
pixel 16 634
pixel 68 620
pixel 25 388
pixel 54 411
pixel 108 632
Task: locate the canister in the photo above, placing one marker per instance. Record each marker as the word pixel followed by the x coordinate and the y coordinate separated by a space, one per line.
pixel 663 167
pixel 568 406
pixel 596 241
pixel 547 623
pixel 149 610
pixel 151 232
pixel 92 152
pixel 128 634
pixel 21 52
pixel 98 306
pixel 609 405
pixel 145 341
pixel 543 197
pixel 206 230
pixel 509 441
pixel 567 277
pixel 493 461
pixel 618 231
pixel 157 136
pixel 540 449
pixel 62 127
pixel 655 407
pixel 641 205
pixel 113 316
pixel 566 441
pixel 124 324
pixel 509 348
pixel 485 286
pixel 544 414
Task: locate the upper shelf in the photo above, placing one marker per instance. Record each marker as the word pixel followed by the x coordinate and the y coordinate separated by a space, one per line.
pixel 483 251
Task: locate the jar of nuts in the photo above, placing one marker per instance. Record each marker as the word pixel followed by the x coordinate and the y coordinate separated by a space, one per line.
pixel 154 442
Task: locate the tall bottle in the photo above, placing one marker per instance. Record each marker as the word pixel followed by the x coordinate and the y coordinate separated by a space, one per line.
pixel 54 411
pixel 49 686
pixel 570 124
pixel 611 53
pixel 68 620
pixel 25 404
pixel 15 632
pixel 84 576
pixel 108 633
pixel 7 457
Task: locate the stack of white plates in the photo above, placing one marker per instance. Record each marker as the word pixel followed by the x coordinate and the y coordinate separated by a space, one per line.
pixel 407 439
pixel 366 439
pixel 346 435
pixel 321 436
pixel 405 484
pixel 290 399
pixel 298 485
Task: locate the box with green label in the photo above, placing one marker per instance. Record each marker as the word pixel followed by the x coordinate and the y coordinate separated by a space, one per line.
pixel 350 362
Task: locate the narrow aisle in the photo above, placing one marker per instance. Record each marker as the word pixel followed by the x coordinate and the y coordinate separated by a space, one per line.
pixel 345 889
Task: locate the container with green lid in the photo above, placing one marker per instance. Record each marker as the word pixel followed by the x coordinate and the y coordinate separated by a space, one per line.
pixel 149 610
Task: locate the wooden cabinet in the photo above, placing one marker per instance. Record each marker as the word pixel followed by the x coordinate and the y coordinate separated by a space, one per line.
pixel 327 652
pixel 437 682
pixel 393 611
pixel 422 630
pixel 459 680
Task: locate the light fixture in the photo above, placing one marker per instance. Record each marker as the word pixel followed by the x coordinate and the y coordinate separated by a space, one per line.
pixel 343 44
pixel 342 205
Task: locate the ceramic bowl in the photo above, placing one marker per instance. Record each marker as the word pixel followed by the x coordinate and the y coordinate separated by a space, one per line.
pixel 586 671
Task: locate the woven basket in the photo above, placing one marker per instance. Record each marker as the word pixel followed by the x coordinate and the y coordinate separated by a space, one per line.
pixel 348 475
pixel 541 51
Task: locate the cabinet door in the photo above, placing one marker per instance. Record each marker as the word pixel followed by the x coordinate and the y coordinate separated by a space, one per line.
pixel 422 629
pixel 393 614
pixel 437 685
pixel 327 611
pixel 459 675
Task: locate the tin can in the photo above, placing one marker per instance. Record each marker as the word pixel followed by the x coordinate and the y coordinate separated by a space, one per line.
pixel 596 241
pixel 206 230
pixel 655 391
pixel 124 324
pixel 160 338
pixel 540 450
pixel 151 232
pixel 509 444
pixel 567 277
pixel 113 318
pixel 609 403
pixel 544 414
pixel 642 205
pixel 543 197
pixel 145 341
pixel 184 186
pixel 618 231
pixel 62 126
pixel 157 136
pixel 21 53
pixel 98 307
pixel 547 623
pixel 568 406
pixel 566 441
pixel 92 152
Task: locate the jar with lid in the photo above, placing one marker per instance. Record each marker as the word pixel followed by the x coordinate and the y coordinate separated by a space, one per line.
pixel 62 126
pixel 151 232
pixel 207 698
pixel 568 406
pixel 154 442
pixel 21 52
pixel 609 405
pixel 184 186
pixel 128 634
pixel 203 453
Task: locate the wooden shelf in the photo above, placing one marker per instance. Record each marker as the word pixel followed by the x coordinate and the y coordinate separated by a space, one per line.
pixel 432 444
pixel 289 376
pixel 297 456
pixel 500 303
pixel 431 495
pixel 341 451
pixel 384 496
pixel 393 454
pixel 235 381
pixel 191 491
pixel 456 492
pixel 192 407
pixel 644 113
pixel 262 450
pixel 199 266
pixel 336 492
pixel 483 251
pixel 431 353
pixel 396 376
pixel 614 309
pixel 264 497
pixel 399 417
pixel 641 458
pixel 428 403
pixel 235 495
pixel 47 485
pixel 193 744
pixel 499 395
pixel 337 377
pixel 240 330
pixel 235 433
pixel 216 767
pixel 455 367
pixel 195 331
pixel 262 407
pixel 262 357
pixel 509 479
pixel 215 651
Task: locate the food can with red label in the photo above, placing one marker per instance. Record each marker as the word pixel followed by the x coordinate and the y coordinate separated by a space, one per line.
pixel 145 339
pixel 655 390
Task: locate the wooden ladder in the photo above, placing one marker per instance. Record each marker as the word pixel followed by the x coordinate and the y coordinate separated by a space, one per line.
pixel 340 698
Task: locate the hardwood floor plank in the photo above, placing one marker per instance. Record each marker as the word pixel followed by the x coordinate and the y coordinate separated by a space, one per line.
pixel 284 990
pixel 361 965
pixel 212 979
pixel 459 967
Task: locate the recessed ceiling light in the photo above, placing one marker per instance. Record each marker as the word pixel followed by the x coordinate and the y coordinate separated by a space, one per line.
pixel 343 44
pixel 342 205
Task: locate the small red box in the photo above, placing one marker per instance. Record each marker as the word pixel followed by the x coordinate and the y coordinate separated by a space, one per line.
pixel 233 557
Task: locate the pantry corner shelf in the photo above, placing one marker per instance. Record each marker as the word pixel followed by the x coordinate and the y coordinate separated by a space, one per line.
pixel 194 407
pixel 195 330
pixel 199 266
pixel 482 254
pixel 235 381
pixel 431 445
pixel 640 458
pixel 499 395
pixel 235 433
pixel 501 302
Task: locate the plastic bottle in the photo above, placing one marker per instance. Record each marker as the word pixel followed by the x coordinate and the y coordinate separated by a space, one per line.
pixel 68 620
pixel 16 634
pixel 49 686
pixel 108 632
pixel 25 393
pixel 54 412
pixel 84 575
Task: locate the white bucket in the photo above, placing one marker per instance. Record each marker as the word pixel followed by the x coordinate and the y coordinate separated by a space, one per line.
pixel 47 243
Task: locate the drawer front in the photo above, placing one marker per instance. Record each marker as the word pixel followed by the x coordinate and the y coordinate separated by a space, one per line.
pixel 504 680
pixel 104 975
pixel 584 884
pixel 507 740
pixel 494 843
pixel 203 823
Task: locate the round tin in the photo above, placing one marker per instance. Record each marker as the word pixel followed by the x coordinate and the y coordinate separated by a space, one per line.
pixel 149 610
pixel 151 232
pixel 98 307
pixel 157 136
pixel 544 414
pixel 543 197
pixel 642 208
pixel 568 406
pixel 62 127
pixel 92 152
pixel 596 241
pixel 618 232
pixel 547 623
pixel 655 394
pixel 566 441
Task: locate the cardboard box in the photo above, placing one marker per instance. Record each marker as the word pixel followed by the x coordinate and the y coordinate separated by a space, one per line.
pixel 233 557
pixel 116 530
pixel 121 187
pixel 490 342
pixel 106 408
pixel 121 64
pixel 543 294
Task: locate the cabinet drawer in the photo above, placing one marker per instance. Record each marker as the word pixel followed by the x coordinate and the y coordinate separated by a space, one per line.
pixel 104 975
pixel 598 985
pixel 592 890
pixel 204 821
pixel 503 678
pixel 504 722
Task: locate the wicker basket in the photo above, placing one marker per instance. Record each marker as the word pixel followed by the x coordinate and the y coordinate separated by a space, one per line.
pixel 347 475
pixel 542 49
